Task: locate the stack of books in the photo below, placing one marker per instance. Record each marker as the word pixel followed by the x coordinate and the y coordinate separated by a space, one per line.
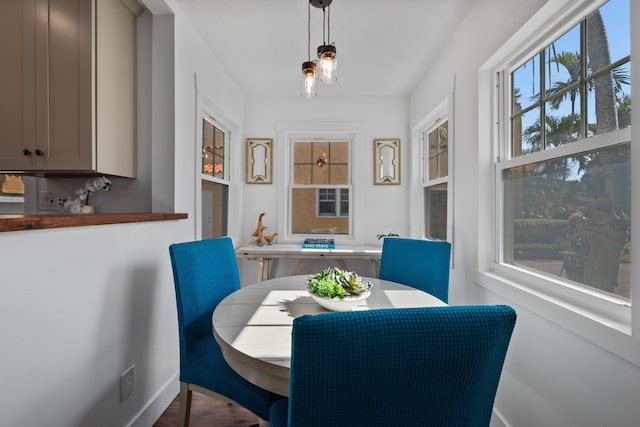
pixel 319 244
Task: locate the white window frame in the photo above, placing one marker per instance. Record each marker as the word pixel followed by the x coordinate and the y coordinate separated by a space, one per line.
pixel 429 183
pixel 438 115
pixel 337 202
pixel 290 235
pixel 226 179
pixel 208 115
pixel 607 321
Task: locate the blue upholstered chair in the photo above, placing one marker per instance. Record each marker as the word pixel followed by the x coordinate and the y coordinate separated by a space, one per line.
pixel 436 367
pixel 422 264
pixel 204 273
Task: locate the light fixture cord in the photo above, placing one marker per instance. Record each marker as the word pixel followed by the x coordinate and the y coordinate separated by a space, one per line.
pixel 309 30
pixel 329 25
pixel 324 24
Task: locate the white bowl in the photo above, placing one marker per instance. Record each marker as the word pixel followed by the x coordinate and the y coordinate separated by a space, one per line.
pixel 337 304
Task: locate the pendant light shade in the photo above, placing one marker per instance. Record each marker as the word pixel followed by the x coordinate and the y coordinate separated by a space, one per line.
pixel 309 79
pixel 328 64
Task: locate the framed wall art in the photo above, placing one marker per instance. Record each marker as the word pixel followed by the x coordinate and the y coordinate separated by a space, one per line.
pixel 386 161
pixel 259 161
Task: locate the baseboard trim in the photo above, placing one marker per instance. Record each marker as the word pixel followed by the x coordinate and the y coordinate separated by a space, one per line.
pixel 150 413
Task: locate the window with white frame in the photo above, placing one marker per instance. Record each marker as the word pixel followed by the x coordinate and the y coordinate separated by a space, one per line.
pixel 564 170
pixel 333 202
pixel 320 187
pixel 435 187
pixel 214 179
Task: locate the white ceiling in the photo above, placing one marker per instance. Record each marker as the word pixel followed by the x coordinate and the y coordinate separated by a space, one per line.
pixel 384 47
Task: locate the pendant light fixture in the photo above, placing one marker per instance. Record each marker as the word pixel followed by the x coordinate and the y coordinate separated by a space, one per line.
pixel 327 61
pixel 309 66
pixel 325 67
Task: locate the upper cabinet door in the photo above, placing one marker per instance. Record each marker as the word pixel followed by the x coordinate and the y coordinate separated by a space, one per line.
pixel 68 145
pixel 17 83
pixel 67 100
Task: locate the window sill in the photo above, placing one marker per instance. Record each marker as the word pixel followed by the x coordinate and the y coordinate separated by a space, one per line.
pixel 42 222
pixel 612 336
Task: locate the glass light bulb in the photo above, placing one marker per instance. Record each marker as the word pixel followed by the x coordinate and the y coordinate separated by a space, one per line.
pixel 309 80
pixel 327 64
pixel 309 87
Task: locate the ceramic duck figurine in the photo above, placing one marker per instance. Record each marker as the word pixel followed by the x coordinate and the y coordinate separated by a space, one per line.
pixel 260 227
pixel 270 238
pixel 260 236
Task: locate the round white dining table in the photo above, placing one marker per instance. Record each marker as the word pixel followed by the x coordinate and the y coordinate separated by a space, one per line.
pixel 253 325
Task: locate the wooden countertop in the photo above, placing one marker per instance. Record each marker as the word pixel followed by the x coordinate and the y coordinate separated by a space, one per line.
pixel 41 222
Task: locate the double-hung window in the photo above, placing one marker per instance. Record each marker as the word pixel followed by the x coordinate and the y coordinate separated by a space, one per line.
pixel 564 168
pixel 320 187
pixel 554 182
pixel 214 178
pixel 435 187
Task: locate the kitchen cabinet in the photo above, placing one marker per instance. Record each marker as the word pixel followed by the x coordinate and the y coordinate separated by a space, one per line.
pixel 67 86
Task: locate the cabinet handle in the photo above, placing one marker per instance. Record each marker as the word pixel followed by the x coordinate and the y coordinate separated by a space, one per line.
pixel 26 152
pixel 39 152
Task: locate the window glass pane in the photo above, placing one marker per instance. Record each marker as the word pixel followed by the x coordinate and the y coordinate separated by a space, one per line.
pixel 213 150
pixel 302 153
pixel 320 174
pixel 607 89
pixel 215 198
pixel 344 202
pixel 608 32
pixel 609 101
pixel 339 174
pixel 327 202
pixel 526 133
pixel 526 84
pixel 218 154
pixel 564 64
pixel 303 212
pixel 435 210
pixel 302 174
pixel 563 118
pixel 438 152
pixel 339 152
pixel 302 163
pixel 571 217
pixel 207 147
pixel 320 210
pixel 320 152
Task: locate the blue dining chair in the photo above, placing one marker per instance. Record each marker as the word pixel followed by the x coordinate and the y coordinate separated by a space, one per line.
pixel 422 264
pixel 204 273
pixel 435 366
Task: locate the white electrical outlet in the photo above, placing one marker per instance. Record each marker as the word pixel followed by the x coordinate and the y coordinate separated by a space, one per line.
pixel 48 201
pixel 127 383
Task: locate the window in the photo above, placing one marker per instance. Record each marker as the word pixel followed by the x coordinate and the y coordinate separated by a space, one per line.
pixel 436 179
pixel 565 171
pixel 213 150
pixel 214 179
pixel 333 202
pixel 320 187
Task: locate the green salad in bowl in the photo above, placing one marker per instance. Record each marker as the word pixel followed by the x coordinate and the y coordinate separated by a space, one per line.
pixel 336 283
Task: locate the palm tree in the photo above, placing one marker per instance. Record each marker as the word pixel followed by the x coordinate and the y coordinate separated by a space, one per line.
pixel 603 179
pixel 606 242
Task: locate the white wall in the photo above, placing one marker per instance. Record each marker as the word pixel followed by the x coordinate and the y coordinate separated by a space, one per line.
pixel 78 306
pixel 377 208
pixel 552 377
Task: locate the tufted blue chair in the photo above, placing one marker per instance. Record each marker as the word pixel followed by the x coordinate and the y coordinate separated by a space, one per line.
pixel 204 273
pixel 422 264
pixel 436 366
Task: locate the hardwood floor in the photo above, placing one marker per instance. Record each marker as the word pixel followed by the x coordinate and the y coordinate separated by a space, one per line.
pixel 208 412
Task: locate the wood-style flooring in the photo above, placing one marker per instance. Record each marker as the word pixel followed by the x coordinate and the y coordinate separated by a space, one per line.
pixel 208 412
